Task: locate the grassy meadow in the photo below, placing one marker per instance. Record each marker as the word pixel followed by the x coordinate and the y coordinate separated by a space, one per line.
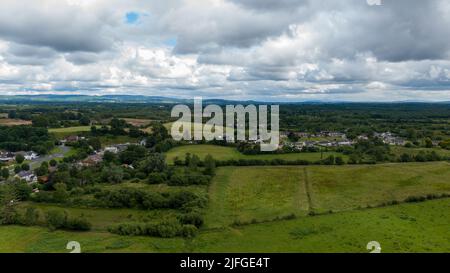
pixel 13 122
pixel 70 130
pixel 227 153
pixel 420 227
pixel 398 151
pixel 244 194
pixel 248 194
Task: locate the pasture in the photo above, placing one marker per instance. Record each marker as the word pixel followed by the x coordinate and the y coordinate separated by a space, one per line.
pixel 138 122
pixel 13 122
pixel 420 227
pixel 227 153
pixel 399 150
pixel 252 194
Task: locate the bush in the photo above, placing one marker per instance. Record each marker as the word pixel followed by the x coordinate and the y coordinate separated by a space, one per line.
pixel 191 218
pixel 156 178
pixel 141 175
pixel 165 229
pixel 56 219
pixel 79 223
pixel 60 220
pixel 189 231
pixel 31 216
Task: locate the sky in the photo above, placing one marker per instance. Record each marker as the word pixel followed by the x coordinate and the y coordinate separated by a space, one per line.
pixel 272 50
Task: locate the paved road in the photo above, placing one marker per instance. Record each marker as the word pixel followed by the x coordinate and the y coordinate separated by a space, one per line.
pixel 37 162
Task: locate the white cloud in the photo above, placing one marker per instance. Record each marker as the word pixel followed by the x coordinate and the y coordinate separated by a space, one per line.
pixel 271 50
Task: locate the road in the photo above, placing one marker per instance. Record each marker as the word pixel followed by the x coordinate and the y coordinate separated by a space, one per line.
pixel 38 161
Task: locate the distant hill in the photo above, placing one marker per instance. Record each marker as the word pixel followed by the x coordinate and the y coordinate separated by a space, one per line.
pixel 85 98
pixel 109 99
pixel 158 100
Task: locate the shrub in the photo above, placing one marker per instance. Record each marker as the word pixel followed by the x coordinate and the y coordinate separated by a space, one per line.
pixel 79 223
pixel 189 231
pixel 31 216
pixel 156 178
pixel 56 219
pixel 191 218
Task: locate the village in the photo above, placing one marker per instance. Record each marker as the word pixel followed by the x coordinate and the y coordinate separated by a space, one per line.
pixel 303 141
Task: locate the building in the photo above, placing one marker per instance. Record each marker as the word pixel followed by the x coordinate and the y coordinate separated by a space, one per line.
pixel 112 149
pixel 70 139
pixel 28 176
pixel 28 155
pixel 6 156
pixel 92 160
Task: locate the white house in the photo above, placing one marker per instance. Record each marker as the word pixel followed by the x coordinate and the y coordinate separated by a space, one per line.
pixel 112 149
pixel 28 176
pixel 30 155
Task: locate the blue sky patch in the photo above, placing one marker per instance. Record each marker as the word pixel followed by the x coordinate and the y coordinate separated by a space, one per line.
pixel 132 17
pixel 171 41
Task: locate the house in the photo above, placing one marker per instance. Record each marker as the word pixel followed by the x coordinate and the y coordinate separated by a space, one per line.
pixel 43 179
pixel 112 149
pixel 30 155
pixel 6 156
pixel 344 143
pixel 28 176
pixel 70 139
pixel 143 142
pixel 92 160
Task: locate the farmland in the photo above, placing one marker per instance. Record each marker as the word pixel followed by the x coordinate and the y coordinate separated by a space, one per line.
pixel 227 153
pixel 13 122
pixel 249 194
pixel 401 228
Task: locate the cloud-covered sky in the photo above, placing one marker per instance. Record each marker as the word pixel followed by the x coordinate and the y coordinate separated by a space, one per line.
pixel 283 50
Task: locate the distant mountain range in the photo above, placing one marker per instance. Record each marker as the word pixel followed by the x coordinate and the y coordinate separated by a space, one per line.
pixel 107 99
pixel 145 99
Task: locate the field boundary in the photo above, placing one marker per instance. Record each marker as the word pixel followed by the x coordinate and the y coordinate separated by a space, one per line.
pixel 308 191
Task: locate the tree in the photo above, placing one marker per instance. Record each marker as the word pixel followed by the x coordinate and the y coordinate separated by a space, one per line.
pixel 40 121
pixel 339 160
pixel 112 174
pixel 210 165
pixel 42 170
pixel 17 169
pixel 8 200
pixel 405 158
pixel 5 173
pixel 25 167
pixel 56 219
pixel 61 193
pixel 20 158
pixel 53 163
pixel 428 143
pixel 31 217
pixel 154 162
pixel 109 157
pixel 22 190
pixel 194 162
pixel 12 114
pixel 95 143
pixel 85 121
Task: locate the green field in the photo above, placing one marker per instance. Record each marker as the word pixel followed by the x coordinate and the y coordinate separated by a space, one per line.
pixel 398 151
pixel 244 194
pixel 226 153
pixel 75 129
pixel 249 194
pixel 421 227
pixel 101 219
pixel 259 198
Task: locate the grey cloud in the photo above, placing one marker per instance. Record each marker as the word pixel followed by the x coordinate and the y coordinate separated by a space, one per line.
pixel 270 5
pixel 54 24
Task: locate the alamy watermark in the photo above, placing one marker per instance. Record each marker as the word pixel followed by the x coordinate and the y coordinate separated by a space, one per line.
pixel 190 126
